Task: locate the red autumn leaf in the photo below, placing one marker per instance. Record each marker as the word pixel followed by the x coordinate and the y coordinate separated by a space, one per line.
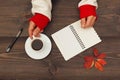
pixel 102 61
pixel 89 64
pixel 101 56
pixel 97 60
pixel 98 66
pixel 88 58
pixel 96 53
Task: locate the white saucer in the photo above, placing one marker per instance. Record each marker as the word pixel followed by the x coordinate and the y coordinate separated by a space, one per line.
pixel 42 53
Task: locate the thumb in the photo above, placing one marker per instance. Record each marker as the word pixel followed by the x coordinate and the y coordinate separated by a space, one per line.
pixel 31 28
pixel 83 21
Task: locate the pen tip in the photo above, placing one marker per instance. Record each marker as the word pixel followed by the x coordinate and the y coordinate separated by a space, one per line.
pixel 8 50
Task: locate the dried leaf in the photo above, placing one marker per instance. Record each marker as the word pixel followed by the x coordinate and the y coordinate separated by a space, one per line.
pixel 101 56
pixel 98 66
pixel 88 58
pixel 89 64
pixel 96 52
pixel 102 61
pixel 97 60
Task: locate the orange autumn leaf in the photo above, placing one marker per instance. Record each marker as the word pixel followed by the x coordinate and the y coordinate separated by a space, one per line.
pixel 102 55
pixel 88 58
pixel 89 64
pixel 95 51
pixel 98 66
pixel 102 61
pixel 97 60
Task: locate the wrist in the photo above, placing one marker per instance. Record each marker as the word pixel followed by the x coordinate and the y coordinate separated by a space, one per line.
pixel 40 20
pixel 87 10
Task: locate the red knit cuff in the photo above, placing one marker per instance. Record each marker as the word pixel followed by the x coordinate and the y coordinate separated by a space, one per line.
pixel 87 10
pixel 40 20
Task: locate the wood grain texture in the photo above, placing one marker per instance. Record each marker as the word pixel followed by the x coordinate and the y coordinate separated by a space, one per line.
pixel 18 66
pixel 14 12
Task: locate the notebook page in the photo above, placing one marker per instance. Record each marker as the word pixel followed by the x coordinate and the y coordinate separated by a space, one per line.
pixel 73 39
pixel 88 36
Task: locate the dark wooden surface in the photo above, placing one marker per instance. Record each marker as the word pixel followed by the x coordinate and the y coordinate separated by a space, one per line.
pixel 18 66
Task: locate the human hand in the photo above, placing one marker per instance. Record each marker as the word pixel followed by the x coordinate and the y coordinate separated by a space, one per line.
pixel 37 24
pixel 33 30
pixel 87 15
pixel 88 21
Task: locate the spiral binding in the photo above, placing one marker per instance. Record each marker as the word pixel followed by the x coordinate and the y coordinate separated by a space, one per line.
pixel 77 36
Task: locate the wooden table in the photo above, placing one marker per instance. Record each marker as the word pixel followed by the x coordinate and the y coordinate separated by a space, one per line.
pixel 16 65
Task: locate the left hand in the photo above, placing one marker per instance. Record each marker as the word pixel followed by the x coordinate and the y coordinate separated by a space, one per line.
pixel 88 21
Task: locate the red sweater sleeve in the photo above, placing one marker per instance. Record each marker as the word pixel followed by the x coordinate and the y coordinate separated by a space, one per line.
pixel 40 20
pixel 87 10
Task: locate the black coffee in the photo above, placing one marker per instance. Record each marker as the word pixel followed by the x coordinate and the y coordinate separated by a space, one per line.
pixel 37 44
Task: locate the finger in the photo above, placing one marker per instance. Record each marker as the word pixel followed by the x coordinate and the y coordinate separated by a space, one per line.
pixel 93 21
pixel 36 32
pixel 89 21
pixel 31 29
pixel 83 22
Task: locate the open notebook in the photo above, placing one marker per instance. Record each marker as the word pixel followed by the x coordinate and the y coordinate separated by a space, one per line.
pixel 73 39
